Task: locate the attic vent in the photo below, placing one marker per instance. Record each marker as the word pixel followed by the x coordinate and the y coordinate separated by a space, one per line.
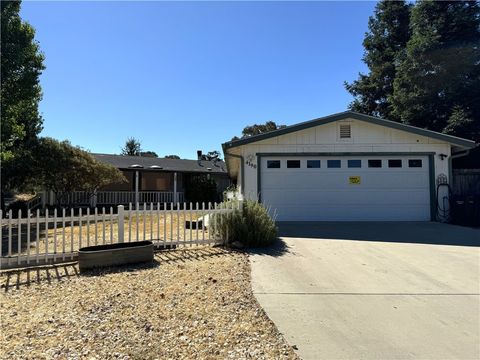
pixel 345 131
pixel 135 166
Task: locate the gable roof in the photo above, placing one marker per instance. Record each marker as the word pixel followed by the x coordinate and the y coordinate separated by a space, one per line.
pixel 125 162
pixel 357 116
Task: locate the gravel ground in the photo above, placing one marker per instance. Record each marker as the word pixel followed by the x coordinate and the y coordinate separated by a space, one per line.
pixel 194 303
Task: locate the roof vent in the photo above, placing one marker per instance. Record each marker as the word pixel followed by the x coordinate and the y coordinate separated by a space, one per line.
pixel 136 166
pixel 209 169
pixel 156 167
pixel 345 131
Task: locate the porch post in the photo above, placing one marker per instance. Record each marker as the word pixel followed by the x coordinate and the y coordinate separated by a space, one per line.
pixel 175 198
pixel 93 199
pixel 136 187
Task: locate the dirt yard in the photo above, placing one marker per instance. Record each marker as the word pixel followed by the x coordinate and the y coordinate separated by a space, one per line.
pixel 194 303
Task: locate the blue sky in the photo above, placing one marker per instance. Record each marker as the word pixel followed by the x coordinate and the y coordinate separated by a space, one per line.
pixel 182 76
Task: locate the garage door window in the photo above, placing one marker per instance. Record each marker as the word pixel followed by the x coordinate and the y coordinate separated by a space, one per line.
pixel 375 163
pixel 354 163
pixel 395 163
pixel 333 163
pixel 415 163
pixel 293 164
pixel 313 164
pixel 273 164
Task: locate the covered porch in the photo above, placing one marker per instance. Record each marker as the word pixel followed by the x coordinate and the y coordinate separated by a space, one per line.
pixel 141 187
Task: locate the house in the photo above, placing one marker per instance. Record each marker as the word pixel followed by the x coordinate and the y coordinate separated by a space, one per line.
pixel 346 167
pixel 152 180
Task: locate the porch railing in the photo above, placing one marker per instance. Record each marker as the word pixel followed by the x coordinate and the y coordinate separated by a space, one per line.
pixel 122 197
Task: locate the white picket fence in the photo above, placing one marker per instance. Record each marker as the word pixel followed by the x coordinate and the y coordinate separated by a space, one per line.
pixel 57 236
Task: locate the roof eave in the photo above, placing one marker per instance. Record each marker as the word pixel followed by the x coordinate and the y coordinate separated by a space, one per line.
pixel 469 144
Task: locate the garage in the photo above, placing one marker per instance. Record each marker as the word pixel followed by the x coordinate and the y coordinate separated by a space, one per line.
pixel 346 188
pixel 346 167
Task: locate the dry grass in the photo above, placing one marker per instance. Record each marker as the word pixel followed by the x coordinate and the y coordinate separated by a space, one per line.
pixel 24 197
pixel 188 304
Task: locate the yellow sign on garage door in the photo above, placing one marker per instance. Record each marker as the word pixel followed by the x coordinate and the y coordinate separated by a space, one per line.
pixel 354 180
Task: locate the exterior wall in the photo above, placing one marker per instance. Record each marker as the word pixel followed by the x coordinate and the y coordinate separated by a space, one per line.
pixel 128 186
pixel 366 138
pixel 156 181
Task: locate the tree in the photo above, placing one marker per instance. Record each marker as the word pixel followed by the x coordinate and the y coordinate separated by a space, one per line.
pixel 257 129
pixel 384 42
pixel 212 156
pixel 132 147
pixel 63 168
pixel 149 154
pixel 201 188
pixel 172 157
pixel 437 85
pixel 20 91
pixel 460 123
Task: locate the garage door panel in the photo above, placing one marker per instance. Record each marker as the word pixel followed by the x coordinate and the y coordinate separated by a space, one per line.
pixel 336 181
pixel 324 193
pixel 344 197
pixel 358 213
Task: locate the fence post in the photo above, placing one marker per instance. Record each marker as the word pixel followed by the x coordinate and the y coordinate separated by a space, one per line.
pixel 121 218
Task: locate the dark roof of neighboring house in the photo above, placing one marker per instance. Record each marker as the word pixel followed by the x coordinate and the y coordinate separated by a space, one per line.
pixel 161 164
pixel 353 115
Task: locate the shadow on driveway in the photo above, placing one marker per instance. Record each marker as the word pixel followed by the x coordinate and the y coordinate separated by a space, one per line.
pixel 403 232
pixel 279 248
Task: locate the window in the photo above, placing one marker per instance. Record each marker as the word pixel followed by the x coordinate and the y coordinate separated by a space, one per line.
pixel 313 164
pixel 395 163
pixel 345 131
pixel 374 163
pixel 273 164
pixel 293 164
pixel 415 163
pixel 354 163
pixel 333 163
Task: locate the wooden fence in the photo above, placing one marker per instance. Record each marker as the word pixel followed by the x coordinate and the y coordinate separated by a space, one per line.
pixel 466 182
pixel 56 237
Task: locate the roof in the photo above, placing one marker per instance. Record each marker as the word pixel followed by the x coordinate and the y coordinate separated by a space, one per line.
pixel 357 116
pixel 124 162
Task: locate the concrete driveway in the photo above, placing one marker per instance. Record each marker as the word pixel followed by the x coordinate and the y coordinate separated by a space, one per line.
pixel 373 290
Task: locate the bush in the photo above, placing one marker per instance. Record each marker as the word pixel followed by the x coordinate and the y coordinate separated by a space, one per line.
pixel 251 226
pixel 201 189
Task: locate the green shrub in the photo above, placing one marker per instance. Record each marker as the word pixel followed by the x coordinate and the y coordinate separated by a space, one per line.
pixel 251 226
pixel 200 188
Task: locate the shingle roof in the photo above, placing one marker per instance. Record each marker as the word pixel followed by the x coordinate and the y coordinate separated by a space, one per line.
pixel 161 164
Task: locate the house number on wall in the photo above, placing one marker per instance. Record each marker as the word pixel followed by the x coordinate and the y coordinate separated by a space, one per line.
pixel 250 161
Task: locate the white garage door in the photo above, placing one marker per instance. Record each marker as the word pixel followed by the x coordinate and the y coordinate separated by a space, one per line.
pixel 347 188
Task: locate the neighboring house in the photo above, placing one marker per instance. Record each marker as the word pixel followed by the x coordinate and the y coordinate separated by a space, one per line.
pixel 152 180
pixel 346 166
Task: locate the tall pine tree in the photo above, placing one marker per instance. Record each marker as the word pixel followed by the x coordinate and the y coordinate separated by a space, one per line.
pixel 437 85
pixel 387 37
pixel 22 64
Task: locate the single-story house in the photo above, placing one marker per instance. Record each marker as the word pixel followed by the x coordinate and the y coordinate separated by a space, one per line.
pixel 151 180
pixel 346 167
pixel 160 179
